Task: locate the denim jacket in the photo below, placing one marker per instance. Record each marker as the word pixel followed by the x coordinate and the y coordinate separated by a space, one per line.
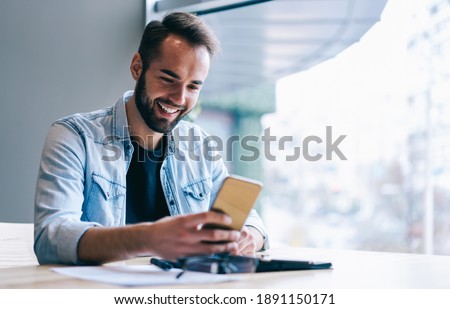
pixel 82 179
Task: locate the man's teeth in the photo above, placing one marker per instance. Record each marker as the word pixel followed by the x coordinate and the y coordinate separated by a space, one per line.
pixel 168 110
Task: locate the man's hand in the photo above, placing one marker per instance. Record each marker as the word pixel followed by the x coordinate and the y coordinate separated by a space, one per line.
pixel 178 236
pixel 250 241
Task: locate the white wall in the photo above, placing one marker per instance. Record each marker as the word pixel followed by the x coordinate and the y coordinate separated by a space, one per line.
pixel 57 57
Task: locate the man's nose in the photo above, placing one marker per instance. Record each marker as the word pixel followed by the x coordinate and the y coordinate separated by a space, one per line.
pixel 178 95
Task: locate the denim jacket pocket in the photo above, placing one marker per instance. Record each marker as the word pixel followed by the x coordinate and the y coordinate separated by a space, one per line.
pixel 197 194
pixel 105 201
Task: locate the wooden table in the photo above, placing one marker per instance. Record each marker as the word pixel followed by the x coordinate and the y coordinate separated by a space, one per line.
pixel 351 269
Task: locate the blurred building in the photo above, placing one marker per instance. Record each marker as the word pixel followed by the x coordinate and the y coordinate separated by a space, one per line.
pixel 429 138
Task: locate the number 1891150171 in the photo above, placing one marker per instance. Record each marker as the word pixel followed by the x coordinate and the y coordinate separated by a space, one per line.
pixel 295 299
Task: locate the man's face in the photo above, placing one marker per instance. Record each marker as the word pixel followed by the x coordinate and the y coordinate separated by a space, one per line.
pixel 169 89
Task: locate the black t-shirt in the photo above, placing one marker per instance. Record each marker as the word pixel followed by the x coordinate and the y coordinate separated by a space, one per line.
pixel 145 197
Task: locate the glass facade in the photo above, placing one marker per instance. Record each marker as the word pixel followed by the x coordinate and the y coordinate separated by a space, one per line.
pixel 388 97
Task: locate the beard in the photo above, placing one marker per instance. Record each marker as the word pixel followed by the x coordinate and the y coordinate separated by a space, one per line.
pixel 146 108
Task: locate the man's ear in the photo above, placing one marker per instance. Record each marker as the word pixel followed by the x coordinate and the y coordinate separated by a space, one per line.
pixel 136 66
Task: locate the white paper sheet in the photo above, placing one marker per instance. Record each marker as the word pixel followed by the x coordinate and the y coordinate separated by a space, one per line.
pixel 136 275
pixel 16 245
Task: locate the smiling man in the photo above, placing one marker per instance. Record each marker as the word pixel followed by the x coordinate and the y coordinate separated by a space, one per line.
pixel 91 207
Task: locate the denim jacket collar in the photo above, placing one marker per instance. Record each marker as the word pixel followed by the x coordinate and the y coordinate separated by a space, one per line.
pixel 120 122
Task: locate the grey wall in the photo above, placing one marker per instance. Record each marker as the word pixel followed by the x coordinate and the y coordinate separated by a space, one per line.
pixel 57 57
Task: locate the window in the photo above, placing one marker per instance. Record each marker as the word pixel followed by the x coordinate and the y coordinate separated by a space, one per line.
pixel 391 103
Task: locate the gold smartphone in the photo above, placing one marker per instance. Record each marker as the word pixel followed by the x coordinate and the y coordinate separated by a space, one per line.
pixel 236 198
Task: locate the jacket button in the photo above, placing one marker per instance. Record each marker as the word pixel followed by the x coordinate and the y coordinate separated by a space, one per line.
pixel 201 195
pixel 172 202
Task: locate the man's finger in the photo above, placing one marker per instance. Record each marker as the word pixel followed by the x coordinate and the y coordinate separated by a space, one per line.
pixel 209 217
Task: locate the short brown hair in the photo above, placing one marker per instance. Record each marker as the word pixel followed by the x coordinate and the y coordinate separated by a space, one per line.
pixel 186 25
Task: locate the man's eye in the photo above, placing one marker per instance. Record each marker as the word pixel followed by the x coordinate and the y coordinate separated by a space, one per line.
pixel 193 87
pixel 167 80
